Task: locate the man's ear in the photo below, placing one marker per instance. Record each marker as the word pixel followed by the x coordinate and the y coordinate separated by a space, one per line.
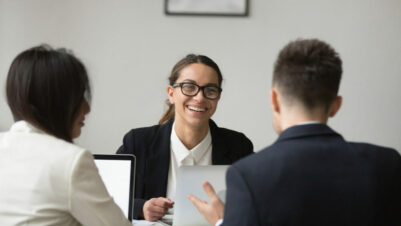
pixel 335 106
pixel 170 93
pixel 274 101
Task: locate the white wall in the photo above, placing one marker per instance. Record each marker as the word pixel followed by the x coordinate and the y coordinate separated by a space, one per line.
pixel 130 46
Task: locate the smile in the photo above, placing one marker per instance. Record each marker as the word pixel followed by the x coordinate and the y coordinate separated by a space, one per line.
pixel 197 109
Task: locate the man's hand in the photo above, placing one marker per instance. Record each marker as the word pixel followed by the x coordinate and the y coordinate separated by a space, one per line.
pixel 156 208
pixel 213 211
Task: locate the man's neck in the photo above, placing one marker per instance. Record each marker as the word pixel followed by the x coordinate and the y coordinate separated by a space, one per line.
pixel 294 118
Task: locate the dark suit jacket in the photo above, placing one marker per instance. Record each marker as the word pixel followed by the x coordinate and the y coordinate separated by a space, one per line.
pixel 151 146
pixel 312 176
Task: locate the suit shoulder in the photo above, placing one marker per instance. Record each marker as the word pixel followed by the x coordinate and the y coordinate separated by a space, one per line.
pixel 137 140
pixel 235 140
pixel 376 150
pixel 369 146
pixel 142 132
pixel 263 158
pixel 232 134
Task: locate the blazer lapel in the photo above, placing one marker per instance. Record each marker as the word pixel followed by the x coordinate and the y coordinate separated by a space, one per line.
pixel 220 152
pixel 158 162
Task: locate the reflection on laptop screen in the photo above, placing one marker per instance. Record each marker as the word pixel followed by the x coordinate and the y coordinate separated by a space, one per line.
pixel 117 172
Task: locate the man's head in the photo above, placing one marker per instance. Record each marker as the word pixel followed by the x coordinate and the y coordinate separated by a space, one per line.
pixel 306 80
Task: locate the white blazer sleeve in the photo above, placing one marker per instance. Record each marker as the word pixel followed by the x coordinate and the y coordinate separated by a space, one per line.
pixel 89 201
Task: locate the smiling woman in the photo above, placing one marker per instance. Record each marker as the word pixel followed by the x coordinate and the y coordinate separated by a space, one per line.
pixel 192 71
pixel 185 135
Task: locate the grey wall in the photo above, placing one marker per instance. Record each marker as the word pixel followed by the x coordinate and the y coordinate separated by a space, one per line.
pixel 129 47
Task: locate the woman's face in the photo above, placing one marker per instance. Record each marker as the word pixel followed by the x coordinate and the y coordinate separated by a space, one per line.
pixel 79 120
pixel 194 110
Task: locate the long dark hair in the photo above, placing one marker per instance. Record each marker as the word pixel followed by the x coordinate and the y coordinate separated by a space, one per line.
pixel 175 73
pixel 46 88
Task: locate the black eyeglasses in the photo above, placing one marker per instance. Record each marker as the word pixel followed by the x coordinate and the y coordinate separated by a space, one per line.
pixel 210 92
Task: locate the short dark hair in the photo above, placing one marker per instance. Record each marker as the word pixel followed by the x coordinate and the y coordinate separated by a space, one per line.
pixel 175 73
pixel 46 87
pixel 308 71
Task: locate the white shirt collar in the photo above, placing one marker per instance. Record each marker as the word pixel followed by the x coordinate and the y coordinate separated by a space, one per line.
pixel 181 152
pixel 308 123
pixel 24 127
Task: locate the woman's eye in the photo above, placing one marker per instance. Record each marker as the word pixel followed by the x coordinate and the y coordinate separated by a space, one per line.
pixel 212 90
pixel 189 87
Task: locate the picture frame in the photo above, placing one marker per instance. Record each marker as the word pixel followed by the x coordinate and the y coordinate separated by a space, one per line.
pixel 236 8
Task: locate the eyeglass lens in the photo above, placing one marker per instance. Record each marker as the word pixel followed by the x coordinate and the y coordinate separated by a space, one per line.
pixel 210 92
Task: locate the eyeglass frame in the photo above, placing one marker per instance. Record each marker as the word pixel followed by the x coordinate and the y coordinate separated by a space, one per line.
pixel 175 85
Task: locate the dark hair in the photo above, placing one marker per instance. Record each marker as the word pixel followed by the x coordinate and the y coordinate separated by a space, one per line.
pixel 46 87
pixel 308 72
pixel 175 73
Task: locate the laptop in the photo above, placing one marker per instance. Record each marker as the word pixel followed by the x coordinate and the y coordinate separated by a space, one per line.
pixel 118 175
pixel 189 181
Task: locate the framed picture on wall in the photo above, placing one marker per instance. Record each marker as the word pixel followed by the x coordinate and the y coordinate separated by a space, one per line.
pixel 207 7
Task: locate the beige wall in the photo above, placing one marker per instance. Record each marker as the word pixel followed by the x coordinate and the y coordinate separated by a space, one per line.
pixel 129 47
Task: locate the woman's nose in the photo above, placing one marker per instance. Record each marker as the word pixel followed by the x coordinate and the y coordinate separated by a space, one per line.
pixel 86 107
pixel 199 95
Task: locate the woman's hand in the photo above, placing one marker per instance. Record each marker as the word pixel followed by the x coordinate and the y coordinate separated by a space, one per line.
pixel 156 208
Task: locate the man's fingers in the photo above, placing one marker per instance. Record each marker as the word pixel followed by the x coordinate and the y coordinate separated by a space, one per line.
pixel 199 204
pixel 209 190
pixel 209 211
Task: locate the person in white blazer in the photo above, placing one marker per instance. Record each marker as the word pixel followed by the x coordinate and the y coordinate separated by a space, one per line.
pixel 45 179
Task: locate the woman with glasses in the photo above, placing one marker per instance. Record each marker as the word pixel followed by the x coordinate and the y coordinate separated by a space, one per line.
pixel 45 178
pixel 185 135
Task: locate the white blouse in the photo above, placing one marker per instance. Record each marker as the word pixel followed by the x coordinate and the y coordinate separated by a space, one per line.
pixel 48 181
pixel 201 154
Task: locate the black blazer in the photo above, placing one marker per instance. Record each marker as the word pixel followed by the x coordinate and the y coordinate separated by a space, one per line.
pixel 151 146
pixel 312 176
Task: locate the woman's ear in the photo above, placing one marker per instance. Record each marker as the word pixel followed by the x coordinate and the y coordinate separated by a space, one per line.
pixel 170 94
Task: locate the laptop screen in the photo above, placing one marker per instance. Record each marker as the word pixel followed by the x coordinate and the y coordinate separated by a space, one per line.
pixel 117 172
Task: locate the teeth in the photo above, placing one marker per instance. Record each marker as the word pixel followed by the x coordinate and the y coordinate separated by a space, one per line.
pixel 196 109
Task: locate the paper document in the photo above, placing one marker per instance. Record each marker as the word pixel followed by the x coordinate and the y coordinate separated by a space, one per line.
pixel 148 223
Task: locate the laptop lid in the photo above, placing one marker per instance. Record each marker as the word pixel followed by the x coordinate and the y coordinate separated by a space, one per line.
pixel 118 175
pixel 189 181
